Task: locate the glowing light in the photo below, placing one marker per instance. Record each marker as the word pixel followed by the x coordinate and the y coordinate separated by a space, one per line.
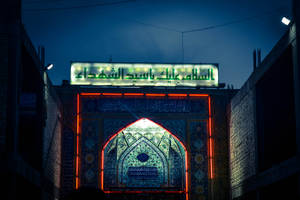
pixel 112 94
pixel 133 94
pixel 144 122
pixel 77 143
pixel 102 167
pixel 90 94
pixel 177 95
pixel 210 138
pixel 155 95
pixel 186 191
pixel 198 95
pixel 77 183
pixel 146 192
pixel 49 66
pixel 285 21
pixel 144 74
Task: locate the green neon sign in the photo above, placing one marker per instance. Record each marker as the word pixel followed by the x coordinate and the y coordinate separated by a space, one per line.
pixel 118 74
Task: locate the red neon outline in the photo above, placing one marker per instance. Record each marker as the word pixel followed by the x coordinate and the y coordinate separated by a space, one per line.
pixel 155 95
pixel 177 95
pixel 89 94
pixel 77 143
pixel 150 192
pixel 112 94
pixel 198 95
pixel 133 94
pixel 210 138
pixel 148 94
pixel 112 137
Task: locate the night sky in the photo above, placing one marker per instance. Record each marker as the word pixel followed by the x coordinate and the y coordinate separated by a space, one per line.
pixel 151 31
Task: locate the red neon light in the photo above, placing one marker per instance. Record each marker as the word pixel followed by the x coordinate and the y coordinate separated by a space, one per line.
pixel 210 138
pixel 151 192
pixel 112 137
pixel 77 163
pixel 102 168
pixel 77 115
pixel 77 143
pixel 77 183
pixel 198 95
pixel 177 95
pixel 102 152
pixel 89 94
pixel 134 94
pixel 155 95
pixel 112 94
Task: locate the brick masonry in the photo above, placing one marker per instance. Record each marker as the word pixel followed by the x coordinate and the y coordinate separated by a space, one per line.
pixel 242 139
pixel 52 144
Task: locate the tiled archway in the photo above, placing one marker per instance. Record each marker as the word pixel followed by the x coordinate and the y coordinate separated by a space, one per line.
pixel 144 156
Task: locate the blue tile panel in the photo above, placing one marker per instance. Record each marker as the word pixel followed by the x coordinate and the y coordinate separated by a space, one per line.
pixel 199 159
pixel 163 168
pixel 143 105
pixel 165 165
pixel 90 149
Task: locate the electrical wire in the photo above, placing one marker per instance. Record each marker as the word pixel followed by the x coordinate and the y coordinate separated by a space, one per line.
pixel 163 27
pixel 152 25
pixel 232 22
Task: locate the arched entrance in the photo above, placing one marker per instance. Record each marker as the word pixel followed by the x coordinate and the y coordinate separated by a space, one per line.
pixel 144 157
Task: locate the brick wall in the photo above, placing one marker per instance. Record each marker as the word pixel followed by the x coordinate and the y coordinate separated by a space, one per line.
pixel 242 138
pixel 52 144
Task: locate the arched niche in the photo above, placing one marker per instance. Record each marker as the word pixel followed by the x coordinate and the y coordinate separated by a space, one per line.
pixel 144 156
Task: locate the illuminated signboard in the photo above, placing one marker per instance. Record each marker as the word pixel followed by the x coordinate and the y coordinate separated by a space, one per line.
pixel 137 74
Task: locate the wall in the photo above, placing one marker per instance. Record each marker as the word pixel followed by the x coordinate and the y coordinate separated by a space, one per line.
pixel 101 117
pixel 220 136
pixel 68 99
pixel 262 128
pixel 52 143
pixel 109 115
pixel 242 139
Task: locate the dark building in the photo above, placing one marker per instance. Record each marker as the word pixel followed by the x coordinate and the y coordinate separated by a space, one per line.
pixel 147 142
pixel 57 139
pixel 30 116
pixel 264 125
pixel 115 129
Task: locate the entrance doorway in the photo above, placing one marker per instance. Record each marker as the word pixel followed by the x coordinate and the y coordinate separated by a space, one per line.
pixel 144 158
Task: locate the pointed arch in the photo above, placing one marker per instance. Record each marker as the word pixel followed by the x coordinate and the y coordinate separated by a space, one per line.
pixel 186 168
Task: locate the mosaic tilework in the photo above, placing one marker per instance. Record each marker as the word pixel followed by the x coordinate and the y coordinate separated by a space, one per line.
pixel 176 127
pixel 144 105
pixel 112 126
pixel 169 147
pixel 177 169
pixel 89 152
pixel 164 158
pixel 156 160
pixel 199 164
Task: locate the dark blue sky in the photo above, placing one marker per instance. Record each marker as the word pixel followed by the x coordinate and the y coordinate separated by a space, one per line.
pixel 150 31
